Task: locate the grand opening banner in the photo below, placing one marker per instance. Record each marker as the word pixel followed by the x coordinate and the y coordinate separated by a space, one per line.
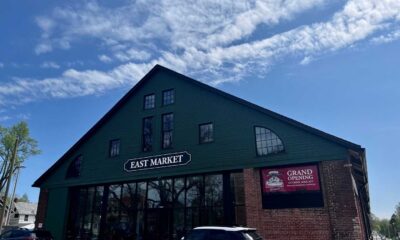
pixel 290 179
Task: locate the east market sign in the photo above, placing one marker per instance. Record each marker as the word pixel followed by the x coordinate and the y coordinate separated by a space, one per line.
pixel 158 161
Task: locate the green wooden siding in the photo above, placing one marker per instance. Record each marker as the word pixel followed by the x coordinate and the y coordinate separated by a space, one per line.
pixel 56 215
pixel 233 146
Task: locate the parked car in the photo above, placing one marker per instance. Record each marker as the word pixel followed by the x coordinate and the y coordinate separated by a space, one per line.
pixel 26 234
pixel 222 233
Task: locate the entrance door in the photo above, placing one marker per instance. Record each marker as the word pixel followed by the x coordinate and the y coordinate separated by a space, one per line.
pixel 159 224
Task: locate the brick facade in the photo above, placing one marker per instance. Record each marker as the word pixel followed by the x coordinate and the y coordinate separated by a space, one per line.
pixel 339 218
pixel 42 207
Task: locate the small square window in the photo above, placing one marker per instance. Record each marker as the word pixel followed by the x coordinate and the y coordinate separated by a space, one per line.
pixel 149 101
pixel 26 217
pixel 114 147
pixel 168 97
pixel 206 133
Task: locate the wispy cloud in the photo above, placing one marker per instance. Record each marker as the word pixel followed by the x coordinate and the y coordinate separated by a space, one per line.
pixel 4 118
pixel 132 54
pixel 71 83
pixel 213 40
pixel 387 38
pixel 50 65
pixel 43 48
pixel 1 65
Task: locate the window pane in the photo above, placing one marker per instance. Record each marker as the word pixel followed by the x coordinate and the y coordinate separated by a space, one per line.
pixel 213 190
pixel 74 169
pixel 127 208
pixel 168 97
pixel 267 142
pixel 97 212
pixel 179 193
pixel 149 101
pixel 141 195
pixel 167 130
pixel 168 121
pixel 206 133
pixel 159 194
pixel 147 134
pixel 87 219
pixel 114 147
pixel 113 211
pixel 167 139
pixel 194 187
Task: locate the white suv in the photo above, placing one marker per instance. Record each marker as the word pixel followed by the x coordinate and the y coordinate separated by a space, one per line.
pixel 222 233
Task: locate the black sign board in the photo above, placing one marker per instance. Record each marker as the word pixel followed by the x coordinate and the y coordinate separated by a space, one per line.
pixel 159 161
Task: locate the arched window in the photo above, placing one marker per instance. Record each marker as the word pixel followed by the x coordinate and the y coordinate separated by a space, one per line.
pixel 74 169
pixel 267 142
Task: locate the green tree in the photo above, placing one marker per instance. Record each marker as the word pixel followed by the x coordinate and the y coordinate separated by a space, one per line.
pixel 15 145
pixel 24 198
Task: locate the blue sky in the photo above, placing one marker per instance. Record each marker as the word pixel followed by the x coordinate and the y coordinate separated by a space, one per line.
pixel 333 65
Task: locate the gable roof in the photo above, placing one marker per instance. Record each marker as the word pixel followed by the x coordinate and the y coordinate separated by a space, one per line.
pixel 25 208
pixel 159 68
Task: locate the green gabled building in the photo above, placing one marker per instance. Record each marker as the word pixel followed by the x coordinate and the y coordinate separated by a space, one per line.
pixel 175 153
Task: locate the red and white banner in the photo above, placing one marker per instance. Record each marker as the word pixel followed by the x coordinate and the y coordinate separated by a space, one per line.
pixel 290 179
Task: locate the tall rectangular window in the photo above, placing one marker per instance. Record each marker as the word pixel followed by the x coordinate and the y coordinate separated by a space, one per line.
pixel 114 147
pixel 168 97
pixel 167 130
pixel 149 101
pixel 147 134
pixel 206 133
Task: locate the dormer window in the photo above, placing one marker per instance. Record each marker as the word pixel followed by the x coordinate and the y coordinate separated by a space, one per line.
pixel 267 142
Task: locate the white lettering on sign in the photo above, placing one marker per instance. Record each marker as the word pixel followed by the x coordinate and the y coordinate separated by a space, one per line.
pixel 166 160
pixel 303 174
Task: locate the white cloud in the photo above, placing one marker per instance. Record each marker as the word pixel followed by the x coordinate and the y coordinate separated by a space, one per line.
pixel 132 54
pixel 306 60
pixel 71 83
pixel 390 37
pixel 43 48
pixel 212 40
pixel 1 65
pixel 50 65
pixel 104 58
pixel 46 24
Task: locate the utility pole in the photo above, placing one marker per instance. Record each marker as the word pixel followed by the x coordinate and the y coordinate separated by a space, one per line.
pixel 14 156
pixel 13 195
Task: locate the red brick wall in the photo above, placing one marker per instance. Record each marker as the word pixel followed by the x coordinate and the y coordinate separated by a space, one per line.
pixel 338 219
pixel 42 207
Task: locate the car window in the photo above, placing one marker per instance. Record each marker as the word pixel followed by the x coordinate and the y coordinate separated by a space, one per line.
pixel 20 233
pixel 252 235
pixel 223 235
pixel 197 235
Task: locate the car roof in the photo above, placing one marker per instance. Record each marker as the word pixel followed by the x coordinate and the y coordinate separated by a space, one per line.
pixel 233 229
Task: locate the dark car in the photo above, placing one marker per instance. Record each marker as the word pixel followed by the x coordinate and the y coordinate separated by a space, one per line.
pixel 222 233
pixel 26 234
